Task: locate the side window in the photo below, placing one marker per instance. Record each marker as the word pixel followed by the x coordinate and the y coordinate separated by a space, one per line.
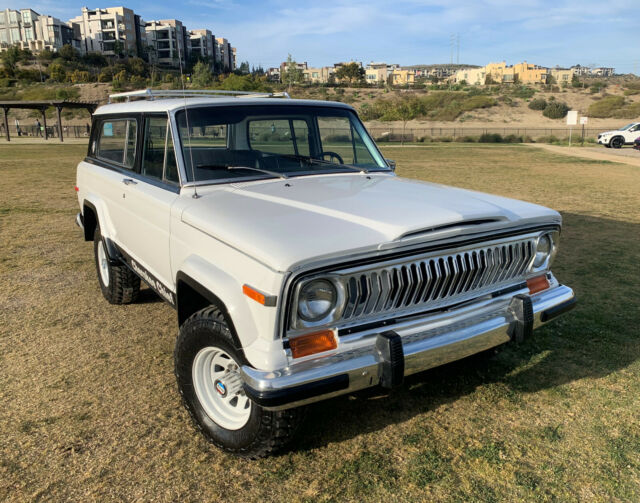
pixel 280 136
pixel 117 141
pixel 158 157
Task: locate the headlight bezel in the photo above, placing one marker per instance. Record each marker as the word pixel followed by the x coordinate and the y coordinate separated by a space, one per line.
pixel 554 242
pixel 333 314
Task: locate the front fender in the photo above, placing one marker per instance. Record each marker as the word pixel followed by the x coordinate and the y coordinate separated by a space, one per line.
pixel 244 314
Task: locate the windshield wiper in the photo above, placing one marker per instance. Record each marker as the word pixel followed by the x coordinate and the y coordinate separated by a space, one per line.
pixel 230 168
pixel 313 160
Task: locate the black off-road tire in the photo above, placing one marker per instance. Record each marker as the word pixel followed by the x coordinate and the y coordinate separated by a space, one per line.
pixel 265 431
pixel 124 285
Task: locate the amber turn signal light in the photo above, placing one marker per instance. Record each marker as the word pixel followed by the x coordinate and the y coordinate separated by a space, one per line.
pixel 254 294
pixel 310 344
pixel 537 284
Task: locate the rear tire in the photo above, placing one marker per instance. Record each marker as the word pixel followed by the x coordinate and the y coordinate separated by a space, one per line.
pixel 207 370
pixel 119 284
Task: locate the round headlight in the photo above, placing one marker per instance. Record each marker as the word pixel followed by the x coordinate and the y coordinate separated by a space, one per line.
pixel 543 250
pixel 316 300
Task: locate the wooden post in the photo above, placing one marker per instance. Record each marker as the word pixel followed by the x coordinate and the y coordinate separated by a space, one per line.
pixel 59 125
pixel 6 123
pixel 44 123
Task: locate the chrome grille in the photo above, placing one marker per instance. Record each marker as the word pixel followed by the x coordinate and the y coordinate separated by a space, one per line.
pixel 433 280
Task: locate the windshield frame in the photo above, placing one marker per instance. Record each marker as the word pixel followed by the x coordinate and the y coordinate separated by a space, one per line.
pixel 342 110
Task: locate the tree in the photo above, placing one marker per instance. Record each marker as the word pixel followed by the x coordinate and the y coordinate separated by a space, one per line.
pixel 68 53
pixel 201 76
pixel 136 66
pixel 244 68
pixel 57 72
pixel 118 48
pixel 10 59
pixel 292 74
pixel 351 72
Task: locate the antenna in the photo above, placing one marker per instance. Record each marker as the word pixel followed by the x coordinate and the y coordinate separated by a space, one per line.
pixel 186 116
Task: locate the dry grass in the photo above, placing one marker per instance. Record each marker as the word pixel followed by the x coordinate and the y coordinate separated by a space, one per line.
pixel 89 409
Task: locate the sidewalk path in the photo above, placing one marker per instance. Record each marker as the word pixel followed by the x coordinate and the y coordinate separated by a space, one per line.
pixel 625 155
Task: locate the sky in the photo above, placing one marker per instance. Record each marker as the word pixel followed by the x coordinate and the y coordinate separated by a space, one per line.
pixel 407 32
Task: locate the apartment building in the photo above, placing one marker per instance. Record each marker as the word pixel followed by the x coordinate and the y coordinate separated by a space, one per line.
pixel 378 73
pixel 318 75
pixel 30 30
pixel 167 42
pixel 400 77
pixel 530 74
pixel 562 75
pixel 226 55
pixel 202 45
pixel 100 29
pixel 472 76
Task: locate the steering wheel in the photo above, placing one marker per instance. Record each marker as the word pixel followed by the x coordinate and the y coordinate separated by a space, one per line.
pixel 332 155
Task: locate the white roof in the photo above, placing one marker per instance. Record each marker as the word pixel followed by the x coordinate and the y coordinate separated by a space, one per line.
pixel 165 105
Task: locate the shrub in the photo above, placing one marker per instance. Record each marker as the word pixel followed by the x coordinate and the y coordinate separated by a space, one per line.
pixel 631 92
pixel 523 92
pixel 79 77
pixel 597 86
pixel 512 138
pixel 466 139
pixel 548 139
pixel 538 104
pixel 57 72
pixel 105 75
pixel 490 138
pixel 555 110
pixel 606 107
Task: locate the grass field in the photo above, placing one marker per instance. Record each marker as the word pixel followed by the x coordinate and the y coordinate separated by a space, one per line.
pixel 89 408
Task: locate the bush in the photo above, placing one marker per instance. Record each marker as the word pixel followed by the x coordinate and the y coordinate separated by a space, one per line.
pixel 538 104
pixel 79 77
pixel 512 138
pixel 556 110
pixel 57 72
pixel 490 138
pixel 466 139
pixel 606 107
pixel 548 139
pixel 523 92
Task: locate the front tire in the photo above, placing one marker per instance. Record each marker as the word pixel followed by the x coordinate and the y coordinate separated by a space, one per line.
pixel 119 284
pixel 207 366
pixel 617 142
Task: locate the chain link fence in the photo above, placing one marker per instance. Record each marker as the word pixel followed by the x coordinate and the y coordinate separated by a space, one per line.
pixel 396 134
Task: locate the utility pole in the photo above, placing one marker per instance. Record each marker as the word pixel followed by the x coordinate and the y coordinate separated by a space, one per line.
pixel 458 49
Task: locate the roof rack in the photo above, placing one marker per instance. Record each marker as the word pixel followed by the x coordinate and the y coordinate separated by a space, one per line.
pixel 151 94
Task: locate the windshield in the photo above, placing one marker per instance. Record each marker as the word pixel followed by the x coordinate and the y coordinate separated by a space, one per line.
pixel 628 126
pixel 221 143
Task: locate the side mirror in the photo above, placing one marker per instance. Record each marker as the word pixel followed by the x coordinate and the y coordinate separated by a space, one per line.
pixel 391 164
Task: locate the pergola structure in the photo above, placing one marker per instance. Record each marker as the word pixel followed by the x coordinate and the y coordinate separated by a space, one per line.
pixel 42 106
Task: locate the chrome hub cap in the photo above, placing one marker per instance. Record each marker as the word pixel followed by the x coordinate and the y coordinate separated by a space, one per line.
pixel 218 386
pixel 103 264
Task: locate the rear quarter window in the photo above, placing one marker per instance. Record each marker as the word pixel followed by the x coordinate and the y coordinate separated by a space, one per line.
pixel 116 141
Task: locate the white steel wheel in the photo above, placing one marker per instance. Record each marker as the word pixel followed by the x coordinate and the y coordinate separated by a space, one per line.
pixel 103 264
pixel 218 386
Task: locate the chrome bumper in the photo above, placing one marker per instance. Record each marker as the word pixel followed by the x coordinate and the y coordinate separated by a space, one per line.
pixel 425 343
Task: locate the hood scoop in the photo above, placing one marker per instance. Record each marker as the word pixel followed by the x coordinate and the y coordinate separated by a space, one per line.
pixel 465 224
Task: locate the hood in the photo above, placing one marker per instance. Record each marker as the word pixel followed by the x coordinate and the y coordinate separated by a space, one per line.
pixel 284 223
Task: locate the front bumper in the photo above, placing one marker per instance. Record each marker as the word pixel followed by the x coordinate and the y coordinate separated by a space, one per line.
pixel 370 357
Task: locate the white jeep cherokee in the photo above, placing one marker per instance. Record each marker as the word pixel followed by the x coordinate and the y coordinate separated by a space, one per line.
pixel 624 136
pixel 300 266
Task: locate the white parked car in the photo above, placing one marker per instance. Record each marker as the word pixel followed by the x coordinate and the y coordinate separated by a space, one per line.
pixel 300 266
pixel 624 136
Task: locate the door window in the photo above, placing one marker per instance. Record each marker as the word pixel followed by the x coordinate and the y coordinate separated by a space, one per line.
pixel 117 141
pixel 158 156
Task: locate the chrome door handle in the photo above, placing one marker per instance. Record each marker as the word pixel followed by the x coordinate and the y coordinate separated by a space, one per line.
pixel 129 181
